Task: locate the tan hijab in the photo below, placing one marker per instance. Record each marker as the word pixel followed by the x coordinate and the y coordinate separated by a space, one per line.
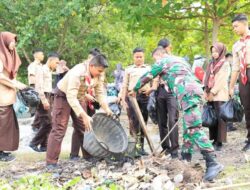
pixel 10 58
pixel 215 65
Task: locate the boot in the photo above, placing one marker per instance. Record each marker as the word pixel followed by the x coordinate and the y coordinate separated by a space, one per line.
pixel 186 156
pixel 212 167
pixel 140 146
pixel 142 151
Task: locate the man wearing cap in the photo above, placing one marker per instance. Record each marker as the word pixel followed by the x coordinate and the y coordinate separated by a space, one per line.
pixel 241 67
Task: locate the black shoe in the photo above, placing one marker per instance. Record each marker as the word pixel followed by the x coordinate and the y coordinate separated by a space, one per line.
pixel 174 154
pixel 246 147
pixel 186 156
pixel 6 157
pixel 43 149
pixel 143 152
pixel 218 147
pixel 34 147
pixel 231 128
pixel 52 166
pixel 212 167
pixel 247 141
pixel 74 158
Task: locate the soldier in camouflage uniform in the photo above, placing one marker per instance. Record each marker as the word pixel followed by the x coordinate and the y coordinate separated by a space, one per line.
pixel 188 91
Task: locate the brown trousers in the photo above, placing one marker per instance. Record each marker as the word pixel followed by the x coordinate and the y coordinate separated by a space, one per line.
pixel 60 117
pixel 245 101
pixel 78 134
pixel 36 121
pixel 218 133
pixel 9 129
pixel 44 123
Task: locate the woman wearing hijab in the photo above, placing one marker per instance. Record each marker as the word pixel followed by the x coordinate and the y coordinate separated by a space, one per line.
pixel 9 65
pixel 216 90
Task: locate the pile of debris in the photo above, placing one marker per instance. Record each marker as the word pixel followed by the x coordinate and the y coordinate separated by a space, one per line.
pixel 147 173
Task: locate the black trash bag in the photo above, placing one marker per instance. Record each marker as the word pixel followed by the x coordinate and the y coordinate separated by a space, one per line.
pixel 30 97
pixel 152 107
pixel 209 117
pixel 231 111
pixel 96 105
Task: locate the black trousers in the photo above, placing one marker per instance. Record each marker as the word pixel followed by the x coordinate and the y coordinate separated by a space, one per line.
pixel 245 101
pixel 135 128
pixel 168 114
pixel 45 123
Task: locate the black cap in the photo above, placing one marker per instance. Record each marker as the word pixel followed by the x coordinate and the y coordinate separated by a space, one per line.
pixel 164 42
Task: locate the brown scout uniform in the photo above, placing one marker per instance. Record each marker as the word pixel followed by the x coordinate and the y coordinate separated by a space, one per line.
pixel 68 101
pixel 132 75
pixel 43 85
pixel 9 130
pixel 244 89
pixel 32 80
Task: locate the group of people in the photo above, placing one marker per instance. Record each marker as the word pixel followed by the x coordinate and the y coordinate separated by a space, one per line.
pixel 79 88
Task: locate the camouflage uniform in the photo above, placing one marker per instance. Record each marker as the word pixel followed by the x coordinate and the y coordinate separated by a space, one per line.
pixel 178 76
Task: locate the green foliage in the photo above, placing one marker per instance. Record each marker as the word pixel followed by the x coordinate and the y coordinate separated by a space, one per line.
pixel 73 27
pixel 184 21
pixel 36 182
pixel 109 186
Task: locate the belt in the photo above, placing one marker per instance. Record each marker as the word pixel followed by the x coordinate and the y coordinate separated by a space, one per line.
pixel 47 93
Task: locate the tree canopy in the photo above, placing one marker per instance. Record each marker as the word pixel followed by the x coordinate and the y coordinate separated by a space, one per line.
pixel 73 27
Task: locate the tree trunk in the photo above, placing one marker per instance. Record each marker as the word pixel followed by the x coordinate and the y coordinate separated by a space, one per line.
pixel 216 27
pixel 26 55
pixel 206 39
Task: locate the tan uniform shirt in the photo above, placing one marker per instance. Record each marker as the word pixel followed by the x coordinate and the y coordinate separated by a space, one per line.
pixel 237 51
pixel 31 72
pixel 220 88
pixel 74 86
pixel 132 75
pixel 7 95
pixel 43 82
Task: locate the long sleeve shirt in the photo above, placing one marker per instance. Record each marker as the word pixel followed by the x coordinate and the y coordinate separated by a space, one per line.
pixel 177 74
pixel 43 82
pixel 7 94
pixel 220 88
pixel 73 84
pixel 32 72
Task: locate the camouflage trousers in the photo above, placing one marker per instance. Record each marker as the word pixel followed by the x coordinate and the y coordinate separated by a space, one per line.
pixel 192 131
